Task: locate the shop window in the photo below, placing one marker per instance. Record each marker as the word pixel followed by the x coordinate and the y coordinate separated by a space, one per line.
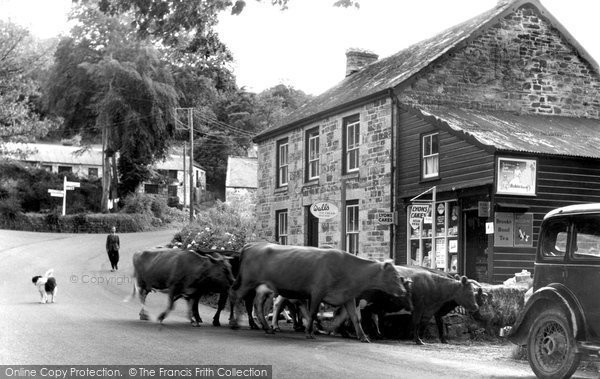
pixel 281 226
pixel 351 139
pixel 434 230
pixel 352 226
pixel 282 163
pixel 312 156
pixel 430 156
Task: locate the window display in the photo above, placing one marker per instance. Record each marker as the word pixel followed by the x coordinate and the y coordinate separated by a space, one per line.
pixel 440 224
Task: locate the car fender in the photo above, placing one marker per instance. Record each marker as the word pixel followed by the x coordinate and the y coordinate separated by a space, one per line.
pixel 553 295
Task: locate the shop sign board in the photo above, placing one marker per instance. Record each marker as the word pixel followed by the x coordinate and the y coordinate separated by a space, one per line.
pixel 323 210
pixel 418 213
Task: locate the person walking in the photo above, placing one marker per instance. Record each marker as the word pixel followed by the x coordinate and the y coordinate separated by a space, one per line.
pixel 112 248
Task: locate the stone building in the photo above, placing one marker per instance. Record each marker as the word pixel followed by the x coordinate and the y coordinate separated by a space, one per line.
pixel 445 154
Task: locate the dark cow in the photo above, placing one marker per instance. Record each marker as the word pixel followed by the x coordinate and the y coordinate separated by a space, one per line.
pixel 180 273
pixel 319 275
pixel 234 260
pixel 434 294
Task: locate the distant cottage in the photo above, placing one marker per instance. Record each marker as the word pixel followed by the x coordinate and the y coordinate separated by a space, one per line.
pixel 87 163
pixel 448 153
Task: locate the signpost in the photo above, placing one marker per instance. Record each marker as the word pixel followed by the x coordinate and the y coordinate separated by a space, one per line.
pixel 67 186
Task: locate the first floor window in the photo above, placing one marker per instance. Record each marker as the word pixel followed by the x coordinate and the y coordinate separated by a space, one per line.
pixel 351 143
pixel 430 156
pixel 282 163
pixel 352 227
pixel 312 157
pixel 282 226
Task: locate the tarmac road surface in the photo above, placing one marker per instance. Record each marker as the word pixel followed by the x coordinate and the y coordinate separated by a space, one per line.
pixel 90 324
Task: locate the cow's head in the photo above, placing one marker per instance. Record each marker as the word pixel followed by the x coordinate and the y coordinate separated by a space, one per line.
pixel 221 269
pixel 394 283
pixel 465 295
pixel 407 299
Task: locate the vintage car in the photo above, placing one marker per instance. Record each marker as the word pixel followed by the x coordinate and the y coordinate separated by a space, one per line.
pixel 560 322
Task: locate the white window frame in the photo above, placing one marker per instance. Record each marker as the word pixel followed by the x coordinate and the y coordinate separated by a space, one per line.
pixel 282 227
pixel 428 155
pixel 282 164
pixel 352 153
pixel 352 227
pixel 313 155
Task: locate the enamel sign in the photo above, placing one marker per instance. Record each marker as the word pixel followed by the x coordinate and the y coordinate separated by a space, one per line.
pixel 323 210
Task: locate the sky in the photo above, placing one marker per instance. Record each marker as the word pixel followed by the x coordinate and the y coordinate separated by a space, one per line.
pixel 305 45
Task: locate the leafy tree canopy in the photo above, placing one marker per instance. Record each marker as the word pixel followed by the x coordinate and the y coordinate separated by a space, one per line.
pixel 22 59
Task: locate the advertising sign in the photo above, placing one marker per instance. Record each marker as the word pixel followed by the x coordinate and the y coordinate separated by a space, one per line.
pixel 323 209
pixel 385 218
pixel 504 229
pixel 516 176
pixel 524 230
pixel 419 212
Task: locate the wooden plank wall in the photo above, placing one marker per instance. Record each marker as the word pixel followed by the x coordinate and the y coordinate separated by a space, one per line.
pixel 561 181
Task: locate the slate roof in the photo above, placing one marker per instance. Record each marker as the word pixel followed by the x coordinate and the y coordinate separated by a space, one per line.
pixel 242 172
pixel 567 136
pixel 388 73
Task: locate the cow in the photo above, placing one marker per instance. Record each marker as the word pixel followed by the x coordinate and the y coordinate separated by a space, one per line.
pixel 314 274
pixel 180 273
pixel 434 294
pixel 234 260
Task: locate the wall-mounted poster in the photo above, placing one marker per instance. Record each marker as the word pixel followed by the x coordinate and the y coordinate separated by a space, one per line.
pixel 504 227
pixel 524 230
pixel 516 176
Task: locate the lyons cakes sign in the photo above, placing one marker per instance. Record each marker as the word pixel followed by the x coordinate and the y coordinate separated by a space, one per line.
pixel 323 210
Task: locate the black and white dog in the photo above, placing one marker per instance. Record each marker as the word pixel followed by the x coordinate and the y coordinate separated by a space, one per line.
pixel 46 285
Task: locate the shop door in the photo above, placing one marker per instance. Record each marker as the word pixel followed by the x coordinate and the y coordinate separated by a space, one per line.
pixel 312 229
pixel 475 244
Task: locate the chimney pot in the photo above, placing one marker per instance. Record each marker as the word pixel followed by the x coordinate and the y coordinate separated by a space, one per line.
pixel 357 59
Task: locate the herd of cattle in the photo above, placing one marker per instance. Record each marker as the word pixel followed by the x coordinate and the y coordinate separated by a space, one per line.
pixel 305 277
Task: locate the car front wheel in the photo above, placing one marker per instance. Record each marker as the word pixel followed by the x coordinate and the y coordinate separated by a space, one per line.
pixel 551 346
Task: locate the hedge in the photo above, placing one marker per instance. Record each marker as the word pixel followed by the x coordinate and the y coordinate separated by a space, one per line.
pixel 80 223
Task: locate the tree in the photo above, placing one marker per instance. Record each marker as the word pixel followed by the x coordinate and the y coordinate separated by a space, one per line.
pixel 124 93
pixel 21 57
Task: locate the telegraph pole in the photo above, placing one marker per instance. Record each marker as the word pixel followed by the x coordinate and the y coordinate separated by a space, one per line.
pixel 191 126
pixel 191 177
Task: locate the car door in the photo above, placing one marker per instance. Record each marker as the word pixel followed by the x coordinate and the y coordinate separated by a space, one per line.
pixel 552 252
pixel 583 269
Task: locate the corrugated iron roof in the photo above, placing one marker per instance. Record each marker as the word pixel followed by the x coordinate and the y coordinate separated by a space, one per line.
pixel 242 172
pixel 568 136
pixel 49 153
pixel 390 72
pixel 70 155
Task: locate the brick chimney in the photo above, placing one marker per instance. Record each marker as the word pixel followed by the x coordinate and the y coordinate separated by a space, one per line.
pixel 357 59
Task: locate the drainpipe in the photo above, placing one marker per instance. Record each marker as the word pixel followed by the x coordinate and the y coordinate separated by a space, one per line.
pixel 393 178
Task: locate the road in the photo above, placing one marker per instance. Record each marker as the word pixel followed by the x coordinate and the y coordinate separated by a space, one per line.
pixel 90 324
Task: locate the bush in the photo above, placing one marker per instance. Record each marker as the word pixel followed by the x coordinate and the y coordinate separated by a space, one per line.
pixel 221 227
pixel 28 187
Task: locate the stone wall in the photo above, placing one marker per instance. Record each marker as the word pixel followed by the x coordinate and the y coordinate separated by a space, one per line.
pixel 521 64
pixel 371 185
